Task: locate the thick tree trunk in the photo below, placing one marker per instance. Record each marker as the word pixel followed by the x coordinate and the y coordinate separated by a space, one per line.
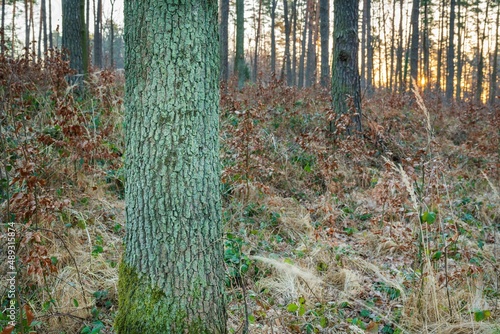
pixel 450 64
pixel 172 274
pixel 72 37
pixel 324 15
pixel 346 95
pixel 224 39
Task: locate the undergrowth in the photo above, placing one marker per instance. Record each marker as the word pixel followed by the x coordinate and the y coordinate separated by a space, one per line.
pixel 394 230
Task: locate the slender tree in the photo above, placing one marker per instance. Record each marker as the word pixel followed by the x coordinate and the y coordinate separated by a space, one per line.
pixel 481 36
pixel 257 38
pixel 426 43
pixel 274 3
pixel 287 66
pixel 239 62
pixel 324 14
pixel 294 42
pixel 172 274
pixel 51 42
pixel 98 34
pixel 311 44
pixel 494 66
pixel 369 46
pixel 224 39
pixel 414 40
pixel 303 52
pixel 27 29
pixel 112 36
pixel 450 63
pixel 3 28
pixel 346 95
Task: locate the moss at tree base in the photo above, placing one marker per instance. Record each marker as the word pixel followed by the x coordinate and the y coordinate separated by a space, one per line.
pixel 144 308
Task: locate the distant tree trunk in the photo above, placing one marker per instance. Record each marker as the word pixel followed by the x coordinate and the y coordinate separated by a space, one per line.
pixel 369 47
pixel 346 95
pixel 393 37
pixel 311 45
pixel 303 52
pixel 87 28
pixel 13 28
pixel 414 40
pixel 480 47
pixel 39 41
pixel 439 61
pixel 83 33
pixel 112 37
pixel 273 36
pixel 386 48
pixel 461 30
pixel 72 37
pixel 240 34
pixel 257 37
pixel 426 45
pixel 324 14
pixel 494 69
pixel 51 43
pixel 27 29
pixel 399 54
pixel 45 42
pixel 294 39
pixel 3 28
pixel 287 63
pixel 450 64
pixel 224 39
pixel 98 35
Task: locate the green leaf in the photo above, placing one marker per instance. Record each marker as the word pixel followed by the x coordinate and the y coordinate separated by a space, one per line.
pixel 364 313
pixel 251 319
pixel 323 322
pixel 437 255
pixel 292 307
pixel 429 217
pixel 481 315
pixel 75 302
pixel 302 310
pixel 302 300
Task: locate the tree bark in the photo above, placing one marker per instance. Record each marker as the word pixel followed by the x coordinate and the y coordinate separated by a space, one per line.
pixel 311 45
pixel 450 64
pixel 494 69
pixel 3 28
pixel 98 35
pixel 112 37
pixel 324 14
pixel 27 30
pixel 369 45
pixel 414 40
pixel 172 275
pixel 240 35
pixel 303 51
pixel 287 66
pixel 274 3
pixel 72 37
pixel 346 95
pixel 294 43
pixel 51 43
pixel 224 39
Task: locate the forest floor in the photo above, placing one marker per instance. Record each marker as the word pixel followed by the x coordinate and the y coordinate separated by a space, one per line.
pixel 395 230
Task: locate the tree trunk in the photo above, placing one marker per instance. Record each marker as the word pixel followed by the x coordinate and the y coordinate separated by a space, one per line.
pixel 44 20
pixel 346 95
pixel 399 56
pixel 480 48
pixel 39 41
pixel 450 64
pixel 27 30
pixel 414 40
pixel 112 38
pixel 426 45
pixel 172 275
pixel 494 69
pixel 240 35
pixel 294 39
pixel 369 47
pixel 98 35
pixel 460 33
pixel 13 29
pixel 393 38
pixel 72 37
pixel 439 61
pixel 311 45
pixel 3 28
pixel 324 14
pixel 287 63
pixel 257 37
pixel 303 52
pixel 83 33
pixel 224 39
pixel 51 43
pixel 273 37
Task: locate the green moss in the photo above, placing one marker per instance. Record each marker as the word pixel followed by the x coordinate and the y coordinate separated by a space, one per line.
pixel 144 308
